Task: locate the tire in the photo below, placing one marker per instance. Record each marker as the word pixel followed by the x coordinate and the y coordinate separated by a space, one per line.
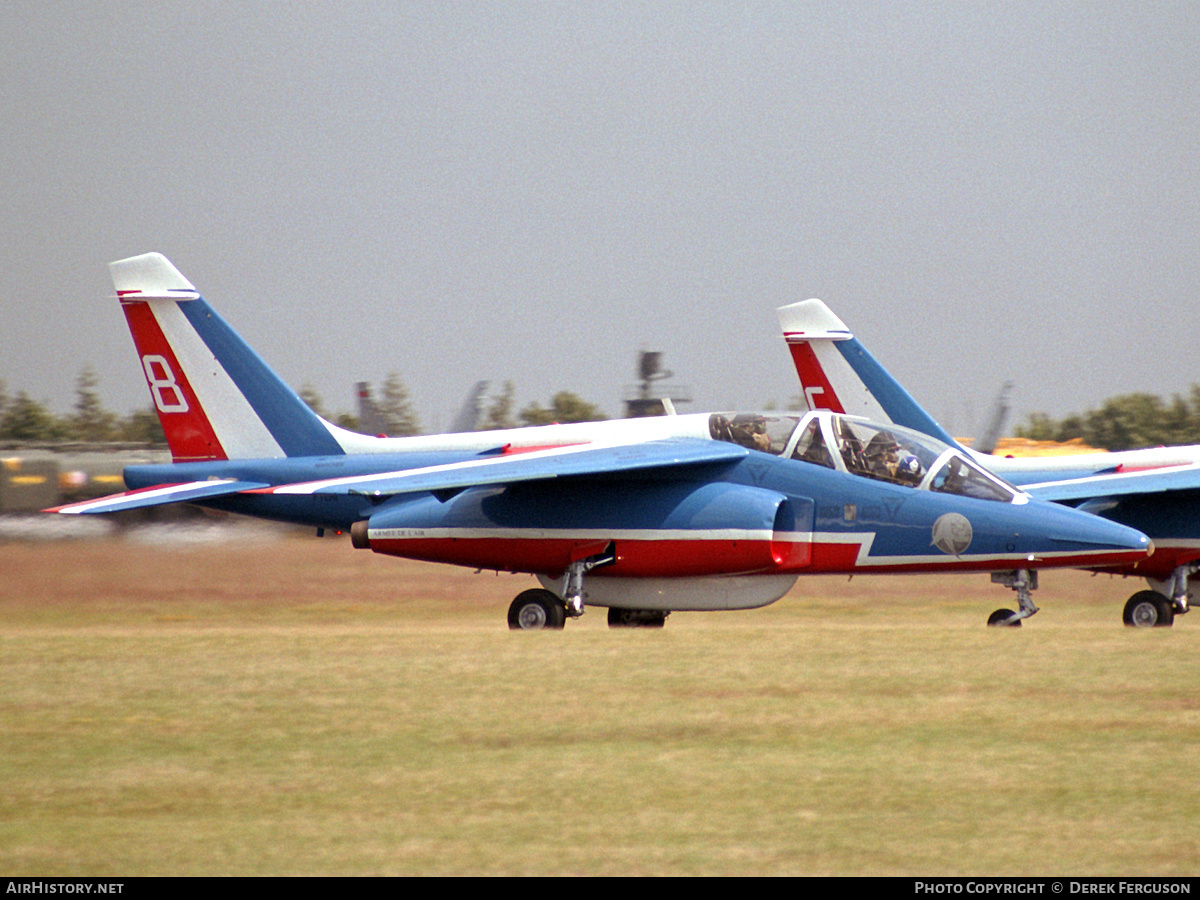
pixel 635 618
pixel 1148 609
pixel 1003 617
pixel 536 609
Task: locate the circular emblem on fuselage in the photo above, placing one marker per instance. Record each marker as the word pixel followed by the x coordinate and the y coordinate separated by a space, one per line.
pixel 952 533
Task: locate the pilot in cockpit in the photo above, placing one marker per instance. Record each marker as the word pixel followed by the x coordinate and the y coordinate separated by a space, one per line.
pixel 882 456
pixel 811 446
pixel 909 470
pixel 751 431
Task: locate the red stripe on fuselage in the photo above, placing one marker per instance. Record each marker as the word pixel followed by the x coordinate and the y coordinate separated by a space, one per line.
pixel 1161 565
pixel 189 433
pixel 643 558
pixel 1149 467
pixel 635 558
pixel 510 450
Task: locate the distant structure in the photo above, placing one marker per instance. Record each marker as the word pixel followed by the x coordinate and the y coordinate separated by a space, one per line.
pixel 1019 447
pixel 472 410
pixel 986 442
pixel 646 399
pixel 371 419
pixel 35 475
pixel 991 442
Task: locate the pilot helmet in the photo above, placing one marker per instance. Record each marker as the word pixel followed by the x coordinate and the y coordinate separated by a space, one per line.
pixel 910 467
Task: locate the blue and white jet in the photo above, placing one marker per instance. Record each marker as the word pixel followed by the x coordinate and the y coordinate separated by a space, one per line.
pixel 711 511
pixel 1156 491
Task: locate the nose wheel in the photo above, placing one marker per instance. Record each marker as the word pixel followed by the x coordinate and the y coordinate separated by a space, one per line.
pixel 1004 618
pixel 1024 582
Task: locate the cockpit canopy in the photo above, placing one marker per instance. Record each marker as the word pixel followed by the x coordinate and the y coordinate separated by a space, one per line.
pixel 868 449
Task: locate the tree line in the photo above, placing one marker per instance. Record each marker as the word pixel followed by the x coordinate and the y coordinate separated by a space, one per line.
pixel 24 419
pixel 1126 422
pixel 401 419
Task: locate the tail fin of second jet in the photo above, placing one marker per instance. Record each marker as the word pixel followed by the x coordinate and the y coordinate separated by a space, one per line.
pixel 837 373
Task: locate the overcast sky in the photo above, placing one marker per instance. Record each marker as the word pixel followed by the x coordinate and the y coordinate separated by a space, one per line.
pixel 537 191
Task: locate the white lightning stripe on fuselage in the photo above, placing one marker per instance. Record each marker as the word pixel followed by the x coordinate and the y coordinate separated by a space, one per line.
pixel 588 534
pixel 310 487
pixel 1118 478
pixel 613 431
pixel 239 429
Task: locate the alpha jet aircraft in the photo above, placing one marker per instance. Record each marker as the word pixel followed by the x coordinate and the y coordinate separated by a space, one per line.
pixel 1156 491
pixel 642 516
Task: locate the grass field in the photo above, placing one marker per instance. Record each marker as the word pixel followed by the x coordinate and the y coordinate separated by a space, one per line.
pixel 286 705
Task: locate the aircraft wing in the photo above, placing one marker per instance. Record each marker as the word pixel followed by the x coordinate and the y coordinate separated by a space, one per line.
pixel 538 465
pixel 1118 484
pixel 157 496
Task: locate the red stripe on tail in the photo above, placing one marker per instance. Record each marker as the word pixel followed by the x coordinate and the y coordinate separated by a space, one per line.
pixel 817 389
pixel 189 433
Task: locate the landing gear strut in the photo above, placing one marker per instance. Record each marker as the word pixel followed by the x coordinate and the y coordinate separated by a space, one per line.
pixel 573 580
pixel 1179 586
pixel 1023 581
pixel 539 608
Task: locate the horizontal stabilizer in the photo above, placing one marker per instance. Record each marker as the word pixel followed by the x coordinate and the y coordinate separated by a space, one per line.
pixel 1118 484
pixel 559 462
pixel 156 496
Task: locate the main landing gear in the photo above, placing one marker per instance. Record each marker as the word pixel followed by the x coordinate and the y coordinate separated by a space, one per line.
pixel 1023 581
pixel 636 618
pixel 539 608
pixel 1158 608
pixel 535 609
pixel 1148 609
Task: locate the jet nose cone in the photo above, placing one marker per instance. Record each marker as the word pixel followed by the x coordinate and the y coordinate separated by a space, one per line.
pixel 1098 541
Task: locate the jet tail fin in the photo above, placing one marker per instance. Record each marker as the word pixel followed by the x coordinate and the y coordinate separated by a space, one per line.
pixel 987 441
pixel 837 373
pixel 472 408
pixel 215 397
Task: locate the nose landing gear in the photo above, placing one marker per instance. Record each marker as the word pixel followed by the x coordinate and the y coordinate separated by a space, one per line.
pixel 1023 581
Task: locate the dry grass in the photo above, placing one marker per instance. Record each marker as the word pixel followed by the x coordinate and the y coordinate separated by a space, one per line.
pixel 281 705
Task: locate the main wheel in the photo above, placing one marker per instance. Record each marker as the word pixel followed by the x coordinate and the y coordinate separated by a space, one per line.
pixel 1005 617
pixel 535 609
pixel 635 618
pixel 1149 609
